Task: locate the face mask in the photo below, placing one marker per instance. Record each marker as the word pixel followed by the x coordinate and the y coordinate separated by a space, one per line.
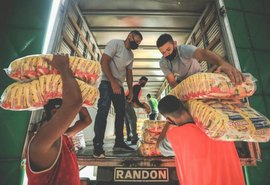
pixel 172 55
pixel 143 84
pixel 133 45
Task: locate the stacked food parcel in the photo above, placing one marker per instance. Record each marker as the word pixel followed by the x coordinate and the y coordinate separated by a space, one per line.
pixel 219 110
pixel 37 82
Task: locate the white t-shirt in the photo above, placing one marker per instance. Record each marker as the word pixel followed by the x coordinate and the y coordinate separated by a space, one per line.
pixel 183 65
pixel 122 59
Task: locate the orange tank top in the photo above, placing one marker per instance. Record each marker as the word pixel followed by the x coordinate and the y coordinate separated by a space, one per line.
pixel 64 170
pixel 201 160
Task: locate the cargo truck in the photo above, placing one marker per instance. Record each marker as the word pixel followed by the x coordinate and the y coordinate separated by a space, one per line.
pixel 236 30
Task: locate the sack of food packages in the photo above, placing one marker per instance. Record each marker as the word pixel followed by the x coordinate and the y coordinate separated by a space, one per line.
pixel 148 149
pixel 155 126
pixel 150 137
pixel 79 141
pixel 35 94
pixel 229 120
pixel 213 86
pixel 33 66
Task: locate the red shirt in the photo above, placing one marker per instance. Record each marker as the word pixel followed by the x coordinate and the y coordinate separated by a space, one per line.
pixel 203 161
pixel 64 171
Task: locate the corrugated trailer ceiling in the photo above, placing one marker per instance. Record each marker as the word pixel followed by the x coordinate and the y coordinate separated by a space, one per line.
pixel 109 19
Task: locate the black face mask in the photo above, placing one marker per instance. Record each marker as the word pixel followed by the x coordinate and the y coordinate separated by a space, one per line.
pixel 172 55
pixel 133 45
pixel 143 84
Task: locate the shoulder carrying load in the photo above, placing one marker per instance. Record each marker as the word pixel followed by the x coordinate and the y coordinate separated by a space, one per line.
pixel 33 66
pixel 148 150
pixel 155 126
pixel 213 86
pixel 33 95
pixel 229 120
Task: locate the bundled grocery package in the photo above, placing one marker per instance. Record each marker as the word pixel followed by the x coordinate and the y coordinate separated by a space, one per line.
pixel 213 86
pixel 155 126
pixel 33 66
pixel 79 141
pixel 229 120
pixel 148 149
pixel 150 132
pixel 150 137
pixel 33 95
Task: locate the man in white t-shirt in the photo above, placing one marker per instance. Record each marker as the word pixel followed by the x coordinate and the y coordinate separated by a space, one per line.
pixel 116 63
pixel 180 61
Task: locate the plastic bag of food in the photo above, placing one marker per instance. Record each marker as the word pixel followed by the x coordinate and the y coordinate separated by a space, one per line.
pixel 155 126
pixel 35 94
pixel 148 150
pixel 229 120
pixel 33 66
pixel 79 141
pixel 213 86
pixel 150 137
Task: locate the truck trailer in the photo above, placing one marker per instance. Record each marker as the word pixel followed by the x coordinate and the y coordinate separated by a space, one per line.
pixel 236 30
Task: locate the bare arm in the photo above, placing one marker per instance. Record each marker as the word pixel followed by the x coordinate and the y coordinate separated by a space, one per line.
pixel 162 134
pixel 45 145
pixel 105 60
pixel 163 143
pixel 205 55
pixel 171 80
pixel 129 83
pixel 83 122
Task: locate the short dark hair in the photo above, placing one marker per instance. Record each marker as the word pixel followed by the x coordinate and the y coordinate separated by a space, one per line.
pixel 136 32
pixel 144 78
pixel 164 38
pixel 51 104
pixel 170 105
pixel 148 96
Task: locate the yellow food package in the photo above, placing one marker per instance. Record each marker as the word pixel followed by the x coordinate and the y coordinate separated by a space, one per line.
pixel 33 66
pixel 213 86
pixel 229 120
pixel 35 94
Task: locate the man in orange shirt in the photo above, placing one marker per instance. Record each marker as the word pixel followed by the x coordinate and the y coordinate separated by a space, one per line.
pixel 199 159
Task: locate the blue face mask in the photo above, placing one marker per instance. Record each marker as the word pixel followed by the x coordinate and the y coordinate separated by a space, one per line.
pixel 172 55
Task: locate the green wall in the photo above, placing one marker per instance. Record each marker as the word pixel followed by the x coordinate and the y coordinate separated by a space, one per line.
pixel 23 26
pixel 250 24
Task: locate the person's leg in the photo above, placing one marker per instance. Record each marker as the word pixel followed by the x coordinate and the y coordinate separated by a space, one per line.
pixel 127 121
pixel 133 125
pixel 155 115
pixel 152 116
pixel 119 107
pixel 104 104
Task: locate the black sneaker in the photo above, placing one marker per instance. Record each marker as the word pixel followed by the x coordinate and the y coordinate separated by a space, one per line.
pixel 122 147
pixel 99 153
pixel 129 138
pixel 134 141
